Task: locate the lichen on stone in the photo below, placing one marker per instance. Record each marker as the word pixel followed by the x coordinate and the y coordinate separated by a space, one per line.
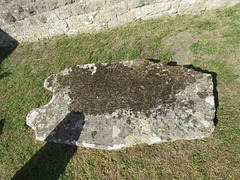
pixel 115 86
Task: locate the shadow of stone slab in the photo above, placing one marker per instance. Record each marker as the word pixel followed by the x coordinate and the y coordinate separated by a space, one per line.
pixel 51 160
pixel 2 122
pixel 127 103
pixel 7 45
pixel 48 163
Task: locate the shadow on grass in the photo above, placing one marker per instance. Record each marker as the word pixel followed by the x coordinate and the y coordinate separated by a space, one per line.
pixel 48 163
pixel 2 122
pixel 214 80
pixel 7 46
pixel 51 160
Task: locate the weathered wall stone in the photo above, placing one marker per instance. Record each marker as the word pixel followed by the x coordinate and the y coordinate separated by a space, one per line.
pixel 160 104
pixel 30 20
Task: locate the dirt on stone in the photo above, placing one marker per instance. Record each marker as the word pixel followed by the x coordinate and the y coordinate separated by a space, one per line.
pixel 115 86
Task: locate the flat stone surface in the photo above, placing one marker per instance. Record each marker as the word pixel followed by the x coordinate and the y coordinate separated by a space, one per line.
pixel 111 106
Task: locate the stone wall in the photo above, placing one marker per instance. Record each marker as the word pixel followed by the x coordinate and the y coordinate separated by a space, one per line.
pixel 31 20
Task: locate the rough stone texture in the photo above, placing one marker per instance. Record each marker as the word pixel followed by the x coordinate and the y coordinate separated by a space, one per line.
pixel 45 18
pixel 187 113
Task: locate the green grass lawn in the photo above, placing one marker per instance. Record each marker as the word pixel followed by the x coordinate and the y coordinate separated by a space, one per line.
pixel 210 41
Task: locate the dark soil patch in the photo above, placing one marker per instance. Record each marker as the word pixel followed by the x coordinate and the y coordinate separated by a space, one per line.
pixel 116 86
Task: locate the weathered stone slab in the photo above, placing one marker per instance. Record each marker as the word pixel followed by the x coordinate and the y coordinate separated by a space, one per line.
pixel 111 106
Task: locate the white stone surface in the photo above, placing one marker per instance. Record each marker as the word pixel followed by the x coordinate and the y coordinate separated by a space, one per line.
pixel 210 100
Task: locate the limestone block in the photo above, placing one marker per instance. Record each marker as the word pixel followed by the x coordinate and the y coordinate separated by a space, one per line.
pixel 54 31
pixel 29 9
pixel 60 27
pixel 88 18
pixel 51 4
pixel 118 9
pixel 112 21
pixel 193 6
pixel 41 18
pixel 90 28
pixel 109 2
pixel 40 6
pixel 63 12
pixel 154 9
pixel 78 8
pixel 94 5
pixel 111 106
pixel 17 11
pixel 24 2
pixel 174 8
pixel 216 4
pixel 108 17
pixel 8 17
pixel 162 1
pixel 42 31
pixel 139 3
pixel 185 7
pixel 65 2
pixel 99 25
pixel 74 24
pixel 154 16
pixel 131 16
pixel 4 2
pixel 31 21
pixel 52 16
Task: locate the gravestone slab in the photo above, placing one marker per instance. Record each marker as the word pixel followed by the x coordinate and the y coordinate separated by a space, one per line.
pixel 111 106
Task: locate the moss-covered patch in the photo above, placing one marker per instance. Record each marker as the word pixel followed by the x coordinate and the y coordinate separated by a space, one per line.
pixel 116 86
